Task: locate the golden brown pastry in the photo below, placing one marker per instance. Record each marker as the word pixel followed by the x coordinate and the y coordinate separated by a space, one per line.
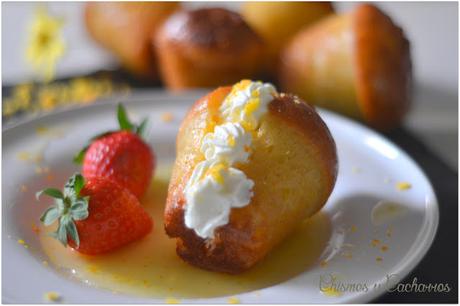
pixel 126 28
pixel 206 48
pixel 283 173
pixel 357 64
pixel 277 22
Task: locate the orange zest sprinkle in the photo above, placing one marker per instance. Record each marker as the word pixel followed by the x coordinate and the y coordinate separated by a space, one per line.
pixel 233 300
pixel 167 117
pixel 401 186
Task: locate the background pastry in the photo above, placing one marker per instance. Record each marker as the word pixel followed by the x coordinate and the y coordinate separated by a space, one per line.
pixel 125 29
pixel 277 22
pixel 275 166
pixel 357 64
pixel 207 48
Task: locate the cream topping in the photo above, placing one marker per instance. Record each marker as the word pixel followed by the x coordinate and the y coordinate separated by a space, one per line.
pixel 247 102
pixel 229 143
pixel 216 186
pixel 211 197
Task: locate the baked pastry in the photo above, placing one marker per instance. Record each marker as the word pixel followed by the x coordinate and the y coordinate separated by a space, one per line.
pixel 206 48
pixel 277 22
pixel 357 64
pixel 251 165
pixel 125 29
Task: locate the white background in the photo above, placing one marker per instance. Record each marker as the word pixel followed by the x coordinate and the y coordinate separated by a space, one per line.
pixel 432 29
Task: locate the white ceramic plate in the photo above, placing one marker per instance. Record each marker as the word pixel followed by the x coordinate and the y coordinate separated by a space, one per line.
pixel 370 167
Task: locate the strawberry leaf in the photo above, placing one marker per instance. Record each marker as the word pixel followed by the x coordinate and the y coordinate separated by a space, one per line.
pixel 72 232
pixel 123 119
pixel 61 233
pixel 126 124
pixel 79 209
pixel 52 192
pixel 141 129
pixel 79 182
pixel 80 156
pixel 50 215
pixel 69 207
pixel 73 186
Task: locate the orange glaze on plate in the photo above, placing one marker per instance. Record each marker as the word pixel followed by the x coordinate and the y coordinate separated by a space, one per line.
pixel 151 268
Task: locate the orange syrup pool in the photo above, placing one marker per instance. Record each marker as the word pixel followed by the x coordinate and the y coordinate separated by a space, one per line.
pixel 150 267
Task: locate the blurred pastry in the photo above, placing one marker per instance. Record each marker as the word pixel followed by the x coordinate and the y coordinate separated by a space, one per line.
pixel 357 64
pixel 126 28
pixel 251 165
pixel 207 48
pixel 277 22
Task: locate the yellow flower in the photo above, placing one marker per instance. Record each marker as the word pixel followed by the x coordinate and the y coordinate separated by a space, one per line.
pixel 46 45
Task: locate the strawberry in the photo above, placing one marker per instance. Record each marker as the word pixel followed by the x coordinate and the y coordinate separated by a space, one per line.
pixel 121 156
pixel 97 216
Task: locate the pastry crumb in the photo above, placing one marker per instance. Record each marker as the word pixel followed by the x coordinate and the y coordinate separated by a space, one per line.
pixel 384 248
pixel 401 186
pixel 45 263
pixel 92 269
pixel 353 228
pixel 24 156
pixel 172 300
pixel 35 228
pixel 41 130
pixel 331 291
pixel 233 300
pixel 52 296
pixel 356 170
pixel 28 157
pixel 379 259
pixel 375 242
pixel 389 232
pixel 21 241
pixel 385 211
pixel 347 255
pixel 167 117
pixel 41 170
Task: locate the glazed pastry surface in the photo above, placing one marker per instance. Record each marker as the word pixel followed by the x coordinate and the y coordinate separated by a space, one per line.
pixel 126 29
pixel 293 165
pixel 277 22
pixel 357 64
pixel 206 48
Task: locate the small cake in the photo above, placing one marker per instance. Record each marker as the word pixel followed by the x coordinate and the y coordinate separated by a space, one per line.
pixel 357 64
pixel 277 22
pixel 206 48
pixel 125 29
pixel 251 165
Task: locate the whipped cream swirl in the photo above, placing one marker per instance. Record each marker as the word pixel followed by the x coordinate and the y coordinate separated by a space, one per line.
pixel 216 186
pixel 229 143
